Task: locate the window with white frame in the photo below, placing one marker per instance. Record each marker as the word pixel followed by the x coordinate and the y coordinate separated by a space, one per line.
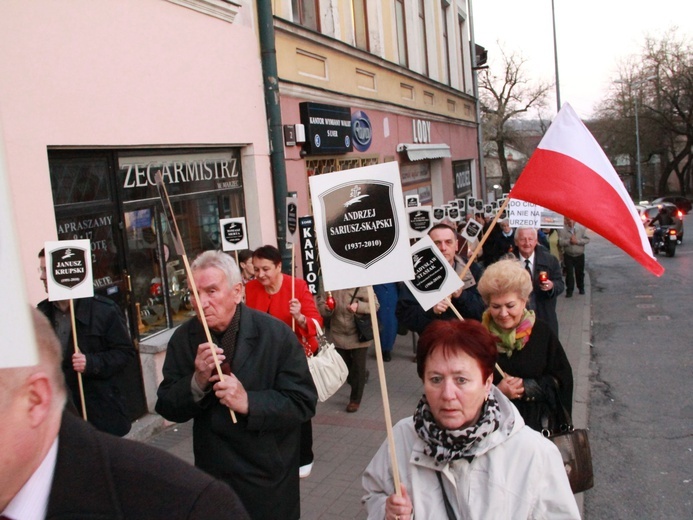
pixel 305 13
pixel 401 27
pixel 422 37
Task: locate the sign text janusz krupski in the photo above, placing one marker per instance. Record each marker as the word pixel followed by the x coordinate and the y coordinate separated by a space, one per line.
pixel 360 222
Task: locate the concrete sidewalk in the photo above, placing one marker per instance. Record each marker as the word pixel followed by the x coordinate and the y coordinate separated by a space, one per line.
pixel 345 443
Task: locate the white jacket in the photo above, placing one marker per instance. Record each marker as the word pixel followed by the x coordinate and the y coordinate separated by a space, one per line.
pixel 515 474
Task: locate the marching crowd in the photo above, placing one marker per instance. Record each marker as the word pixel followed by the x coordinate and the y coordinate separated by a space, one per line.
pixel 493 369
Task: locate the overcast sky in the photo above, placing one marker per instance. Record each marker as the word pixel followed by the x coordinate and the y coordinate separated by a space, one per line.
pixel 593 37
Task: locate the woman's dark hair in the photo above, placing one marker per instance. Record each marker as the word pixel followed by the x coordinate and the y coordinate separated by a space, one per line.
pixel 270 253
pixel 469 336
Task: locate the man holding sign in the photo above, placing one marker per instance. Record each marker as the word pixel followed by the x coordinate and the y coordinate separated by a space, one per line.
pixel 267 385
pixel 466 300
pixel 104 351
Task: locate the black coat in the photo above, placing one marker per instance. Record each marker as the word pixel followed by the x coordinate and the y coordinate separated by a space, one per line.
pixel 544 302
pixel 100 477
pixel 259 455
pixel 103 338
pixel 541 362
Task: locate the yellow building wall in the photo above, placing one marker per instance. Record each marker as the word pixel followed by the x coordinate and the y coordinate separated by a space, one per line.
pixel 307 62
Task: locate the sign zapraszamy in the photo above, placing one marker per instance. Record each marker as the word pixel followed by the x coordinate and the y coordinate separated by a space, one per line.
pixel 361 225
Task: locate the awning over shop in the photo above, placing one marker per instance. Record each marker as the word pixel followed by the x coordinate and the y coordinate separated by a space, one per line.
pixel 419 152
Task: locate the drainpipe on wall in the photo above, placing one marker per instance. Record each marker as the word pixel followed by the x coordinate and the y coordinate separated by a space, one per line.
pixel 270 81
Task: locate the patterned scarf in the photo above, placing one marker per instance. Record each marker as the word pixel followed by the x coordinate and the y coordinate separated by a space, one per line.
pixel 516 339
pixel 448 445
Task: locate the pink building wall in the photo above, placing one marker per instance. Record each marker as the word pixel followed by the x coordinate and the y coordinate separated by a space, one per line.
pixel 125 73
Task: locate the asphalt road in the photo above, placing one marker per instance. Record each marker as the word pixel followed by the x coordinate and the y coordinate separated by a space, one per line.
pixel 641 411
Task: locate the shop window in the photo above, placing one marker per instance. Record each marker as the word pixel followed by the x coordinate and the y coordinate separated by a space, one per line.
pixel 203 188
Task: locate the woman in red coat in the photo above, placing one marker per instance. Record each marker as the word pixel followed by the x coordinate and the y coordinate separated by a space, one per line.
pixel 271 292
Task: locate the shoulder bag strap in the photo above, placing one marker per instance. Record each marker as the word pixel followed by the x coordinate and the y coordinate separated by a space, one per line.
pixel 448 505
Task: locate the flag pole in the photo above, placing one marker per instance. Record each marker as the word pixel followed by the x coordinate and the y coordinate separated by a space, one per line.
pixel 180 249
pixel 77 351
pixel 293 285
pixel 383 391
pixel 483 239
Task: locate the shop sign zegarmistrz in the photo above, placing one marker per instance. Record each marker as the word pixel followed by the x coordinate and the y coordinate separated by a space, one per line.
pixel 69 266
pixel 361 225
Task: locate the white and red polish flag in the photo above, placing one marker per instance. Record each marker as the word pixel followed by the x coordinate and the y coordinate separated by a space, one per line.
pixel 569 173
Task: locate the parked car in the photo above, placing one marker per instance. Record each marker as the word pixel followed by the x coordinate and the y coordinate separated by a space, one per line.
pixel 684 204
pixel 647 213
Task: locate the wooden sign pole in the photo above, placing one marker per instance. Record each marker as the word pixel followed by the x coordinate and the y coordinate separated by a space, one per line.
pixel 77 351
pixel 473 256
pixel 178 242
pixel 383 391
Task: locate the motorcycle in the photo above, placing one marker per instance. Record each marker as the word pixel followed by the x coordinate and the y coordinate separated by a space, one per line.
pixel 663 239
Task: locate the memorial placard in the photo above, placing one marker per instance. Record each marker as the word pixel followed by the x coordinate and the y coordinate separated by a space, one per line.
pixel 68 269
pixel 361 226
pixel 434 277
pixel 233 234
pixel 420 221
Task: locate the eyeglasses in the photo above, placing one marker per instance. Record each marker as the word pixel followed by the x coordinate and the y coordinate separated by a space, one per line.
pixel 41 270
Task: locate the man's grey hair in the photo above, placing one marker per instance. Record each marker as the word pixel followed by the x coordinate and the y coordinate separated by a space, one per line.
pixel 532 230
pixel 221 261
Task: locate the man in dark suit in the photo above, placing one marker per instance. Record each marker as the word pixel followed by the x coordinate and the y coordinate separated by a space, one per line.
pixel 545 270
pixel 268 387
pixel 105 350
pixel 54 465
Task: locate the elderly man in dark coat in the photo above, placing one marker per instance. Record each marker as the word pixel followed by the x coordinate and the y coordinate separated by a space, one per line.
pixel 537 260
pixel 269 388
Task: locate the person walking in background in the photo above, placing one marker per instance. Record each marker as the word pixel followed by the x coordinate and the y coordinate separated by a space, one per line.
pixel 573 239
pixel 245 264
pixel 105 350
pixel 270 292
pixel 545 271
pixel 503 242
pixel 466 452
pixel 343 333
pixel 387 295
pixel 531 356
pixel 268 387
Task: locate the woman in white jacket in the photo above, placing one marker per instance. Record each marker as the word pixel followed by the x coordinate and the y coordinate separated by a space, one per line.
pixel 466 453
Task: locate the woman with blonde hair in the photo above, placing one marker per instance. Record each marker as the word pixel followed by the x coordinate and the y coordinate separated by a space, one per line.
pixel 537 371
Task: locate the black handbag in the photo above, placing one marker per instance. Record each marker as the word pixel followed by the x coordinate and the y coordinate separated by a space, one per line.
pixel 364 326
pixel 574 446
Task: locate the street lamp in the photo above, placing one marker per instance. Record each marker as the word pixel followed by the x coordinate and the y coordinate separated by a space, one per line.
pixel 555 58
pixel 635 85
